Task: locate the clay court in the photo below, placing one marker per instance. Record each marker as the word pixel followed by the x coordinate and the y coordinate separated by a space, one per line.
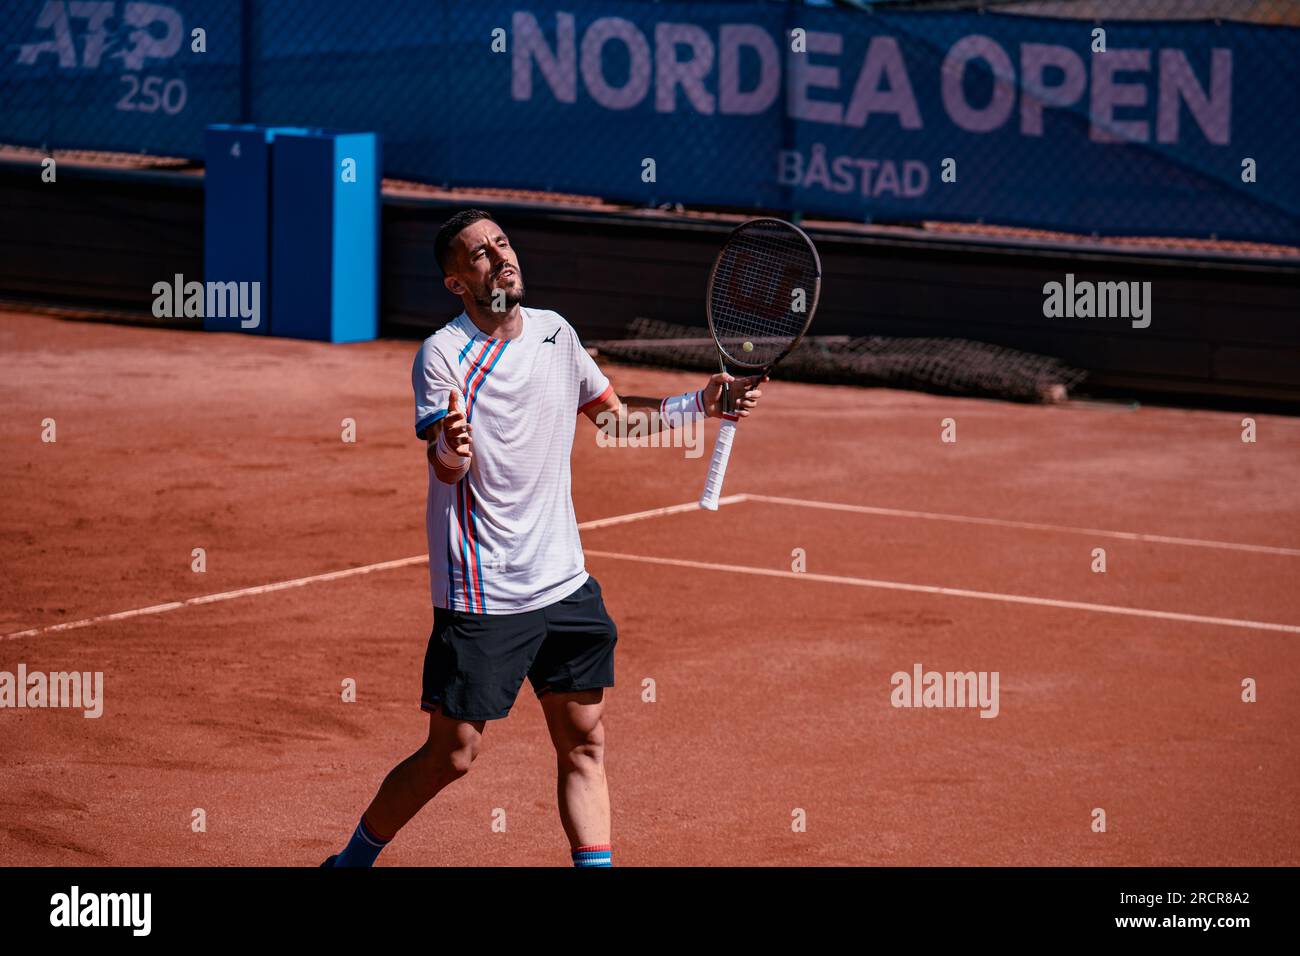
pixel 1119 690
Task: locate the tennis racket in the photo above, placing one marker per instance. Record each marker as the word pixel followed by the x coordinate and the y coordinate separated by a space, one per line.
pixel 763 292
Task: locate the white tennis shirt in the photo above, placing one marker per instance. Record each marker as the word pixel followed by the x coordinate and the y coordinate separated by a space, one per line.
pixel 504 538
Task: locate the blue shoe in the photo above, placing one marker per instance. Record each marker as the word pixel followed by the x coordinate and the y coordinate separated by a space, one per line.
pixel 330 861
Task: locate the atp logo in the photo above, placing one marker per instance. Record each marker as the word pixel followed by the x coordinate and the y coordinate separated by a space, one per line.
pixel 143 31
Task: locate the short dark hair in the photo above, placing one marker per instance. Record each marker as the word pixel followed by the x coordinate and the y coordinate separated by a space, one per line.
pixel 451 229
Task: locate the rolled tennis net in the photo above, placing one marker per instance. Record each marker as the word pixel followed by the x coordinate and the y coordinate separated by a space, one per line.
pixel 943 365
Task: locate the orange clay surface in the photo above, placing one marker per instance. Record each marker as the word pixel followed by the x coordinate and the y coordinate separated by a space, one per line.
pixel 772 690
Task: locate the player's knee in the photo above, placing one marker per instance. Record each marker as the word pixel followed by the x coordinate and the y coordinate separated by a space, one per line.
pixel 583 751
pixel 588 755
pixel 461 759
pixel 442 765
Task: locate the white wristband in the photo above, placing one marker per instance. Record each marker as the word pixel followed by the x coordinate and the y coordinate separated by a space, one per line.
pixel 681 409
pixel 446 454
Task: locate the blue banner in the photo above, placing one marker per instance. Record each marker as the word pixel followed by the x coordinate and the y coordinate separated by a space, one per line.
pixel 122 76
pixel 1143 128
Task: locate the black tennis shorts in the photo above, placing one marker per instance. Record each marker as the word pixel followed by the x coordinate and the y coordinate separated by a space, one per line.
pixel 476 663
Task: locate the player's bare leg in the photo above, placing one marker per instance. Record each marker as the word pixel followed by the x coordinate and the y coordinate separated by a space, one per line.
pixel 444 758
pixel 574 720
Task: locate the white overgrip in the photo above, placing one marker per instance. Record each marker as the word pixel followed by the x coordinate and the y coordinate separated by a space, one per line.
pixel 718 465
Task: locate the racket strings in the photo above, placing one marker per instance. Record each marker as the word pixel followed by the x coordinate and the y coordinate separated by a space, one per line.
pixel 764 289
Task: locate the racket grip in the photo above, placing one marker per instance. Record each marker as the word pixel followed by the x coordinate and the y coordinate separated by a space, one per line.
pixel 718 465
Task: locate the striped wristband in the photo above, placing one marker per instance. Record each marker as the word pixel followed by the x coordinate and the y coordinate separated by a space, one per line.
pixel 681 409
pixel 446 454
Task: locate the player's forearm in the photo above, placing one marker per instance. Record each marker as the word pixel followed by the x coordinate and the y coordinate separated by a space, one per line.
pixel 634 412
pixel 642 412
pixel 642 415
pixel 661 414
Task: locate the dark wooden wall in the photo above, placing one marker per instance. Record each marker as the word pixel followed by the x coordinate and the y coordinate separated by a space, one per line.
pixel 97 239
pixel 1219 328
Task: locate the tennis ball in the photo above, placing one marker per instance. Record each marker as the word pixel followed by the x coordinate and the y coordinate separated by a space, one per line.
pixel 748 346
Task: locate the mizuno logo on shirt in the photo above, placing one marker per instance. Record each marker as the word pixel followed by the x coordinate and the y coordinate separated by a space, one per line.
pixel 552 338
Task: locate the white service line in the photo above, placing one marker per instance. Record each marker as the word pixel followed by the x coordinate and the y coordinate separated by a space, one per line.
pixel 328 576
pixel 1026 525
pixel 655 513
pixel 222 596
pixel 950 592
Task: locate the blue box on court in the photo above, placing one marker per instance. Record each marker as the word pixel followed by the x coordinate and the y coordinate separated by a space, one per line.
pixel 236 227
pixel 325 215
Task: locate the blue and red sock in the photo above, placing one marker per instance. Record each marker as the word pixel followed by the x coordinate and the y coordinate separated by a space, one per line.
pixel 363 848
pixel 595 854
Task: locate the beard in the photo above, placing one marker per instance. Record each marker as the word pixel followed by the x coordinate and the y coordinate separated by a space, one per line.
pixel 514 294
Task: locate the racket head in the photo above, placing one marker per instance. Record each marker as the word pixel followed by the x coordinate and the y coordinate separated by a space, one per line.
pixel 752 292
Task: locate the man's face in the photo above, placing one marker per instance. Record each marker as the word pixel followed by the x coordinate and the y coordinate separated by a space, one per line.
pixel 483 262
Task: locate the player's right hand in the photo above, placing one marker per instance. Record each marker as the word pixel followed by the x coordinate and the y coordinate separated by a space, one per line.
pixel 456 428
pixel 745 390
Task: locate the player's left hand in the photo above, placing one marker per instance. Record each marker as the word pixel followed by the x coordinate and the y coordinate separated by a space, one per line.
pixel 744 405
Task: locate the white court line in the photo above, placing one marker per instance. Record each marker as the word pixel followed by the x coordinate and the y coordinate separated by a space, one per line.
pixel 1026 525
pixel 331 576
pixel 951 592
pixel 655 513
pixel 222 596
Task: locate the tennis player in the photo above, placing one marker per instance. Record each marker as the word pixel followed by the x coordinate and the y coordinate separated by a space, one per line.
pixel 497 392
